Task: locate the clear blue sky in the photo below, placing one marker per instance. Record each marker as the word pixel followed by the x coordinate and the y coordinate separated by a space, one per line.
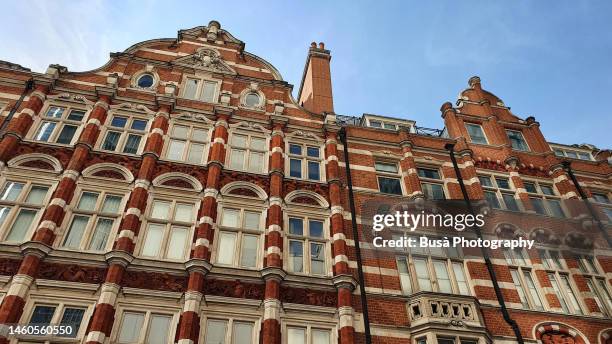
pixel 548 59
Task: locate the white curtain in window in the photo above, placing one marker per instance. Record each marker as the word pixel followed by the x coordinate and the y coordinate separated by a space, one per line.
pixel 196 154
pixel 37 194
pixel 88 201
pixel 130 327
pixel 21 225
pixel 227 247
pixel 215 331
pixel 75 234
pixel 101 234
pixel 178 239
pixel 243 333
pixel 296 336
pixel 111 204
pixel 249 251
pixel 159 329
pixel 191 86
pixel 152 241
pixel 321 337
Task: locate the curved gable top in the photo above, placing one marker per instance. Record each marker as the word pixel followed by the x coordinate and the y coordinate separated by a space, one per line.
pixel 178 180
pixel 306 197
pixel 244 189
pixel 108 171
pixel 36 161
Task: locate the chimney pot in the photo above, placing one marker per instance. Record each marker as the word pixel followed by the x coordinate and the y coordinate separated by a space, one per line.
pixel 321 45
pixel 313 45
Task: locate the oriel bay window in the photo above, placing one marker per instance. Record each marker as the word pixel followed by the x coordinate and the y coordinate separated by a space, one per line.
pixel 306 240
pixel 95 216
pixel 431 183
pixel 389 179
pixel 59 124
pixel 240 238
pixel 498 192
pixel 230 331
pixel 432 269
pixel 304 162
pixel 145 327
pixel 124 134
pixel 544 199
pixel 188 143
pixel 20 208
pixel 168 230
pixel 248 153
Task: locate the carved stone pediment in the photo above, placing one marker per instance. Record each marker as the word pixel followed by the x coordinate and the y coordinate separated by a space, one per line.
pixel 205 59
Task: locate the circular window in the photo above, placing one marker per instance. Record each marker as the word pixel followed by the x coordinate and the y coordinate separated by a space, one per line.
pixel 252 99
pixel 145 81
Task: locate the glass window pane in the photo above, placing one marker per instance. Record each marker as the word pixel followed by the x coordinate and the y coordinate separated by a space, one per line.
pixel 196 153
pixel 251 220
pixel 178 241
pixel 111 141
pixel 485 181
pixel 256 162
pixel 160 210
pixel 538 205
pixel 118 122
pixel 460 278
pixel 243 333
pixel 252 99
pixel 4 213
pixel 555 208
pixel 183 212
pixel 555 285
pixel 101 234
pixel 237 159
pixel 389 126
pixel 315 228
pixel 139 124
pixel 295 168
pixel 227 247
pixel 76 115
pixel 230 218
pixel 571 154
pixel 145 81
pixel 76 231
pixel 152 242
pixel 442 340
pixel 295 149
pixel 570 292
pixel 111 204
pixel 530 187
pixel 519 288
pixel 131 146
pixel 22 224
pixel 42 315
pixel 444 283
pixel 88 201
pixel 239 141
pixel 390 185
pixel 130 327
pixel 313 152
pixel 476 133
pixel 547 189
pixel 159 329
pixel 296 226
pixel 258 143
pixel 420 266
pixel 404 274
pixel 72 317
pixel 428 173
pixel 248 254
pixel 375 124
pixel 314 170
pixel 215 331
pixel 296 335
pixel 385 167
pixel 535 297
pixel 45 131
pixel 55 112
pixel 191 86
pixel 321 337
pixel 200 135
pixel 433 191
pixel 37 194
pixel 11 191
pixel 180 132
pixel 317 259
pixel 208 91
pixel 66 135
pixel 510 202
pixel 516 140
pixel 491 197
pixel 296 256
pixel 175 150
pixel 502 183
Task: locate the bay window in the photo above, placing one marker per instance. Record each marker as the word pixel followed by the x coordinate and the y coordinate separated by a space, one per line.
pixel 304 162
pixel 95 216
pixel 145 327
pixel 240 238
pixel 188 143
pixel 21 204
pixel 124 134
pixel 59 124
pixel 248 153
pixel 306 240
pixel 168 230
pixel 431 183
pixel 389 178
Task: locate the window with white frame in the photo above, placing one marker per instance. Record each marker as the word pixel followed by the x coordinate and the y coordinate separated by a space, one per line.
pixel 476 133
pixel 222 330
pixel 201 89
pixel 573 154
pixel 307 335
pixel 600 197
pixel 544 198
pixel 307 245
pixel 124 134
pixel 432 269
pixel 247 152
pixel 145 327
pixel 95 216
pixel 517 141
pixel 63 314
pixel 431 183
pixel 240 237
pixel 498 192
pixel 382 124
pixel 21 204
pixel 389 178
pixel 168 229
pixel 454 340
pixel 523 279
pixel 59 124
pixel 305 161
pixel 559 276
pixel 188 143
pixel 596 282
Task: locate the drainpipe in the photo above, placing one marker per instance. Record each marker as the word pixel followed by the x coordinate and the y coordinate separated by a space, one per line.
pixel 485 253
pixel 28 86
pixel 567 166
pixel 362 291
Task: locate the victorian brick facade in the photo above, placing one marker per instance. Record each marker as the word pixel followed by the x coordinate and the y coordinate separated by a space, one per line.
pixel 181 194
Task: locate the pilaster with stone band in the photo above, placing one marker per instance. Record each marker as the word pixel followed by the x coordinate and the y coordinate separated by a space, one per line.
pixel 408 166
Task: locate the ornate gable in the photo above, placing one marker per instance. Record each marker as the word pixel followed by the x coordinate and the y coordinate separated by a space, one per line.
pixel 205 59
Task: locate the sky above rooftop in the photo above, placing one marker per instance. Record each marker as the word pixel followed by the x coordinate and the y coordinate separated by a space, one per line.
pixel 548 59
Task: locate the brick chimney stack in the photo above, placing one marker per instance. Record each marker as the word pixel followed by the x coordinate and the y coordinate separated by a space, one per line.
pixel 316 90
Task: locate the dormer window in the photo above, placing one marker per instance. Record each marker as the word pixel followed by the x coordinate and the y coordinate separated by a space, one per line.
pixel 383 125
pixel 476 133
pixel 517 140
pixel 572 154
pixel 146 80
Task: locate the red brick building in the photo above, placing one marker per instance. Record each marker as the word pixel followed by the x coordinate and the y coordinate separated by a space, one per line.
pixel 181 194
